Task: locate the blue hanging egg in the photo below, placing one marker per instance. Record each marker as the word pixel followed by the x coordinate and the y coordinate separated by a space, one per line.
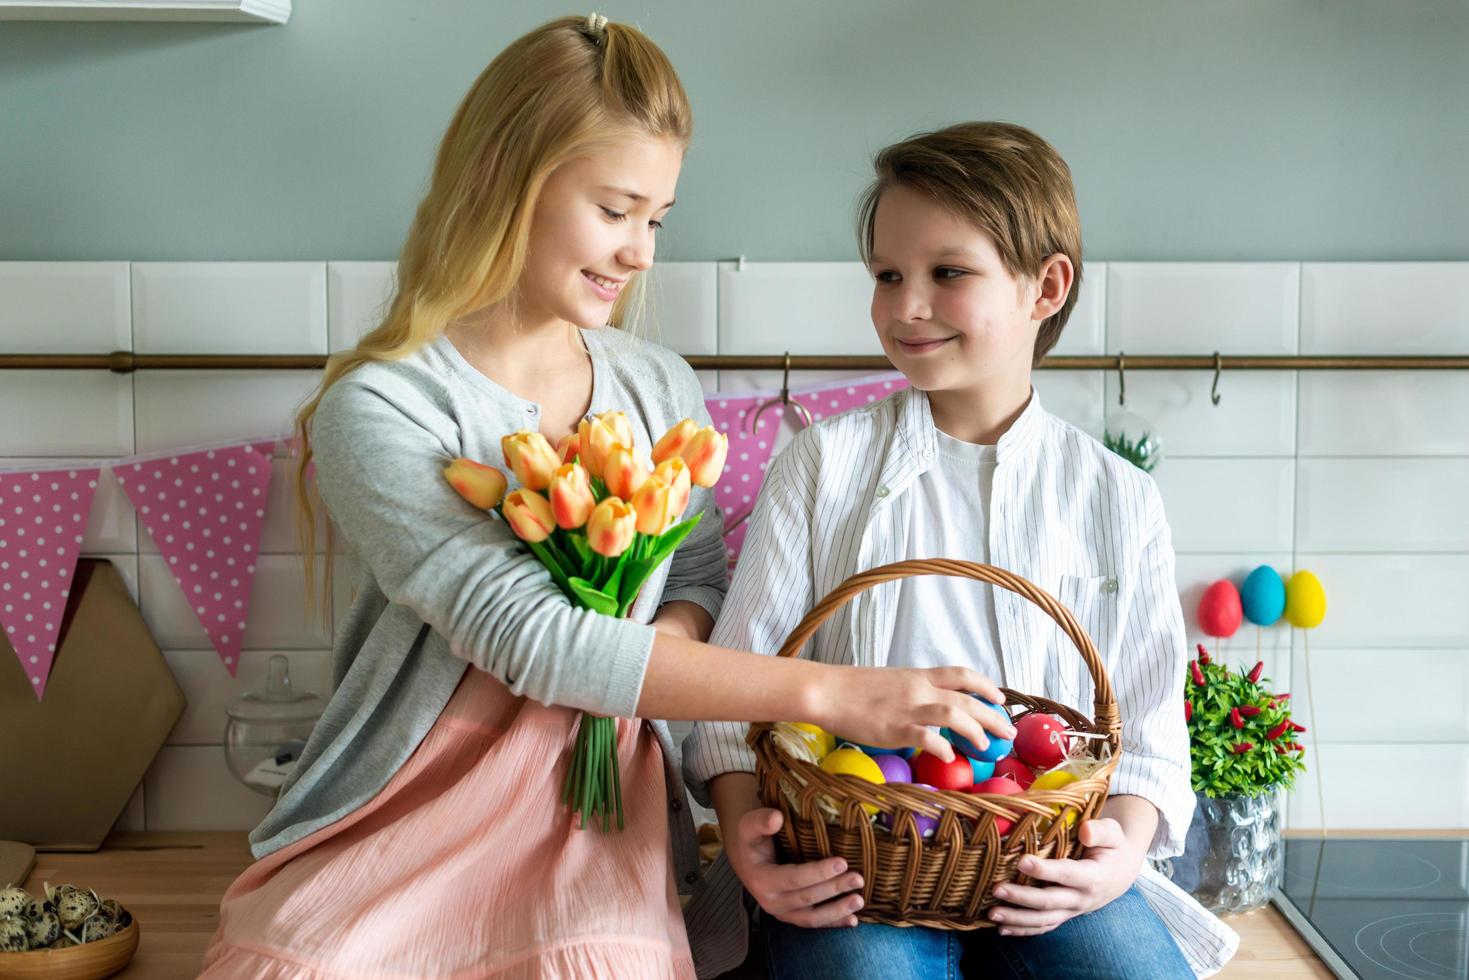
pixel 1262 596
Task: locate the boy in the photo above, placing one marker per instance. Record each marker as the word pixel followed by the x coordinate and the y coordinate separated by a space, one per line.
pixel 972 237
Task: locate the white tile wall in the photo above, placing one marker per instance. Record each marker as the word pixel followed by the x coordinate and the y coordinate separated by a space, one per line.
pixel 65 307
pixel 229 307
pixel 1357 476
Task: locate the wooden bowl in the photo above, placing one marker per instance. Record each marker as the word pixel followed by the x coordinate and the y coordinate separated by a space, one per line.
pixel 89 961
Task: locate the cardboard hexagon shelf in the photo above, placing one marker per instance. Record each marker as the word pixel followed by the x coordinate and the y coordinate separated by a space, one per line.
pixel 72 760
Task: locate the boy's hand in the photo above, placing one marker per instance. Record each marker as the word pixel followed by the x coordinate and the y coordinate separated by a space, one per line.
pixel 811 895
pixel 895 708
pixel 1108 868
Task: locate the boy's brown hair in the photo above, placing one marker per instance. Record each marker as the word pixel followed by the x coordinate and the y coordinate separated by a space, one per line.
pixel 1003 178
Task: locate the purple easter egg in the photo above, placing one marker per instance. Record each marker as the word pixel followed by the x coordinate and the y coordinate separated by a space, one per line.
pixel 926 825
pixel 894 769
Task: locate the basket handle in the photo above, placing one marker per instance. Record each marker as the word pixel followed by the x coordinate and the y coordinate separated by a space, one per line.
pixel 1106 714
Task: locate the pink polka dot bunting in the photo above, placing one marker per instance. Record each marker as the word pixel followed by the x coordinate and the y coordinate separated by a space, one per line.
pixel 205 511
pixel 749 453
pixel 750 446
pixel 43 515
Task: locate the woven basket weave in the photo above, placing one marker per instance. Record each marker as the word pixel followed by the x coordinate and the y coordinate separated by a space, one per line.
pixel 946 881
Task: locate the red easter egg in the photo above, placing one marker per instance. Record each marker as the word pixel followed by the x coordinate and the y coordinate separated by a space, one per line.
pixel 1220 611
pixel 1012 768
pixel 957 775
pixel 1040 740
pixel 1006 787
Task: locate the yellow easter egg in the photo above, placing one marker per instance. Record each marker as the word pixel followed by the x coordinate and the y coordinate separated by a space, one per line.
pixel 821 741
pixel 1055 779
pixel 854 762
pixel 1305 601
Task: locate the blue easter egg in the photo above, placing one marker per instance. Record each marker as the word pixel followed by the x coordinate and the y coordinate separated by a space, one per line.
pixel 1262 596
pixel 982 770
pixel 994 752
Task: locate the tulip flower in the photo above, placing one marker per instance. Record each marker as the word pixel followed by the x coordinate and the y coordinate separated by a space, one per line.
pixel 529 515
pixel 705 455
pixel 674 440
pixel 611 527
pixel 481 485
pixel 571 496
pixel 597 439
pixel 623 472
pixel 531 457
pixel 675 472
pixel 652 503
pixel 568 446
pixel 620 426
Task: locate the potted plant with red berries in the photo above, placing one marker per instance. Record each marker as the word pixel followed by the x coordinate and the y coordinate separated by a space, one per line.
pixel 1243 750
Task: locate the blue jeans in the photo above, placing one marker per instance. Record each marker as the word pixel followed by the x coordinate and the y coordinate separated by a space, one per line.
pixel 1123 940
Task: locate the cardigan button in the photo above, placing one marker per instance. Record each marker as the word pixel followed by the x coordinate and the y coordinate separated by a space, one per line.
pixel 675 804
pixel 691 877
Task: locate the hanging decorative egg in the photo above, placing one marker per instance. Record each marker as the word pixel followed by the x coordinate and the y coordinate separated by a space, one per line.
pixel 1305 601
pixel 1220 612
pixel 1262 596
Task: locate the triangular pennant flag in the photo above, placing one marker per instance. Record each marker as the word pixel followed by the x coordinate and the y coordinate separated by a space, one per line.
pixel 750 444
pixel 43 515
pixel 205 511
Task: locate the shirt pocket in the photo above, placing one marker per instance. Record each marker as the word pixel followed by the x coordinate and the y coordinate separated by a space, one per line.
pixel 1092 600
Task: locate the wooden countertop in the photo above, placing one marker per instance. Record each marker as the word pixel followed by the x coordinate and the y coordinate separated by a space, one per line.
pixel 172 883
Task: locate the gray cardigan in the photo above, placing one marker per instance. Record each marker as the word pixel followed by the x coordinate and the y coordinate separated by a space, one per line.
pixel 444 586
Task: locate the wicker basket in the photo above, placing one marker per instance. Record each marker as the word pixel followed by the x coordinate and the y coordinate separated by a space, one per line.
pixel 946 881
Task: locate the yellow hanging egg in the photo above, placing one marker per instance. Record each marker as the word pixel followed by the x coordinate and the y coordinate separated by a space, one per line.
pixel 853 762
pixel 1055 779
pixel 1305 601
pixel 821 741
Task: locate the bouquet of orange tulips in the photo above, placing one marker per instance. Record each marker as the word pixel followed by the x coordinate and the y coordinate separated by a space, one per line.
pixel 601 517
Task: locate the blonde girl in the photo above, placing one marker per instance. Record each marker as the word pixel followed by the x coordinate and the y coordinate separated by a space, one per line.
pixel 423 833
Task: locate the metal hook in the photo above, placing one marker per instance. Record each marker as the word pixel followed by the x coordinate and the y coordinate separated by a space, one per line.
pixel 785 400
pixel 1218 370
pixel 1121 379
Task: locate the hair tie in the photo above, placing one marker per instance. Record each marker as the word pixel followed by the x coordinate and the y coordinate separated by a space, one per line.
pixel 596 26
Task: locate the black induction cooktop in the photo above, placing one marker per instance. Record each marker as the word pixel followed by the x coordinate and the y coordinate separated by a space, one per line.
pixel 1381 908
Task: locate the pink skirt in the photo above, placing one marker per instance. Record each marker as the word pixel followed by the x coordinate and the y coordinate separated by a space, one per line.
pixel 467 864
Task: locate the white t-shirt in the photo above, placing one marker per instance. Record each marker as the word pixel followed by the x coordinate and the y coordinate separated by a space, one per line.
pixel 942 621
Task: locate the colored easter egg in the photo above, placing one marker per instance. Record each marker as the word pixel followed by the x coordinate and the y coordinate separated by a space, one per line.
pixel 926 825
pixel 997 749
pixel 957 775
pixel 1055 779
pixel 1305 601
pixel 1012 768
pixel 822 742
pixel 982 770
pixel 894 768
pixel 851 762
pixel 1219 610
pixel 1262 596
pixel 1004 787
pixel 1041 740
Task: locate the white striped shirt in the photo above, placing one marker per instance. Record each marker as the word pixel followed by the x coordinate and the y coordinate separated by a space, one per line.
pixel 1067 514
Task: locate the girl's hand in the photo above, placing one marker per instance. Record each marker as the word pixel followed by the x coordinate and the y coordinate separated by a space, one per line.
pixel 1108 868
pixel 894 708
pixel 811 895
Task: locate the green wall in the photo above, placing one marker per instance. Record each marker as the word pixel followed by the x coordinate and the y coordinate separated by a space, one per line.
pixel 1226 129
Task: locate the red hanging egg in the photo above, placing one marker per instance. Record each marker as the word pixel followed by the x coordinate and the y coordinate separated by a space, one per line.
pixel 957 775
pixel 1040 740
pixel 1220 611
pixel 1012 768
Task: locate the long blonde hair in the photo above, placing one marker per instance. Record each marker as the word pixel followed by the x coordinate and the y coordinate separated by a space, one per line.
pixel 551 96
